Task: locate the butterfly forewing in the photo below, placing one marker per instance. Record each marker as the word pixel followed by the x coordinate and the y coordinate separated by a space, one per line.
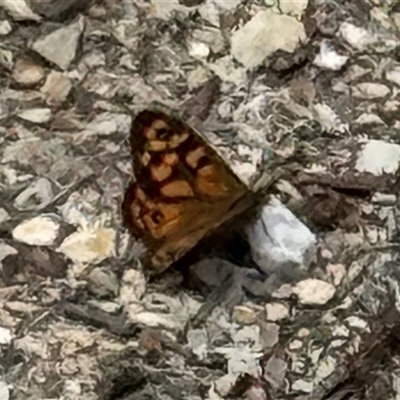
pixel 182 188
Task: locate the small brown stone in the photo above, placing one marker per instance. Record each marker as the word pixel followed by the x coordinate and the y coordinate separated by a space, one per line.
pixel 27 73
pixel 56 87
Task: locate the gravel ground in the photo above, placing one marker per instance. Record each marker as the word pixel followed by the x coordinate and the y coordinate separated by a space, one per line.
pixel 296 298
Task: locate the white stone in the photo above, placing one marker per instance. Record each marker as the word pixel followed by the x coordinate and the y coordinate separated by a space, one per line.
pixel 384 199
pixel 314 291
pixel 396 18
pixel 357 322
pixel 340 330
pixel 359 38
pixel 283 292
pixel 394 75
pixel 367 209
pixel 295 344
pixel 72 388
pixel 163 9
pixel 379 157
pixel 295 8
pixel 396 385
pixel 380 14
pixel 36 115
pixel 278 238
pixel 4 391
pixel 355 72
pixel 6 250
pixel 340 87
pixel 108 306
pixel 5 336
pixel 198 50
pixel 209 12
pixel 248 335
pixel 276 311
pixel 59 47
pixel 227 71
pixel 19 10
pixel 325 253
pixel 328 58
pixel 40 190
pixel 264 34
pixel 391 105
pixel 303 332
pixel 368 119
pixel 328 119
pixel 302 385
pixel 325 368
pixel 108 123
pixel 329 318
pixel 155 320
pixel 5 27
pixel 355 345
pixel 38 231
pixel 79 209
pixel 221 387
pixel 337 271
pixel 298 366
pixel 198 342
pixel 6 58
pixel 315 354
pixel 370 90
pixel 196 77
pixel 286 187
pixel 241 360
pixel 27 73
pixel 243 315
pixel 56 87
pixel 4 216
pixel 90 245
pixel 227 5
pixel 354 270
pixel 338 343
pixel 372 235
pixel 133 286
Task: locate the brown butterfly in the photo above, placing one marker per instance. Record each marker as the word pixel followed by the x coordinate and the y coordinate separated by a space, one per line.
pixel 182 191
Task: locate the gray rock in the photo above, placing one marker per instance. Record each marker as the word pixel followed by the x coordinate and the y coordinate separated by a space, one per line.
pixel 275 370
pixel 103 282
pixel 62 55
pixel 278 240
pixel 264 34
pixel 56 87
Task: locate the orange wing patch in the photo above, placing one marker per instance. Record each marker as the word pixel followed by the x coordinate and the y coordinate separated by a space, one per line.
pixel 182 189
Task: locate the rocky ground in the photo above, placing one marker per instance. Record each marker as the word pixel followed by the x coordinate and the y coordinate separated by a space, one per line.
pixel 309 95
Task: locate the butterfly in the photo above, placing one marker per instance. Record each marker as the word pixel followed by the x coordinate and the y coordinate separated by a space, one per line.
pixel 182 188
